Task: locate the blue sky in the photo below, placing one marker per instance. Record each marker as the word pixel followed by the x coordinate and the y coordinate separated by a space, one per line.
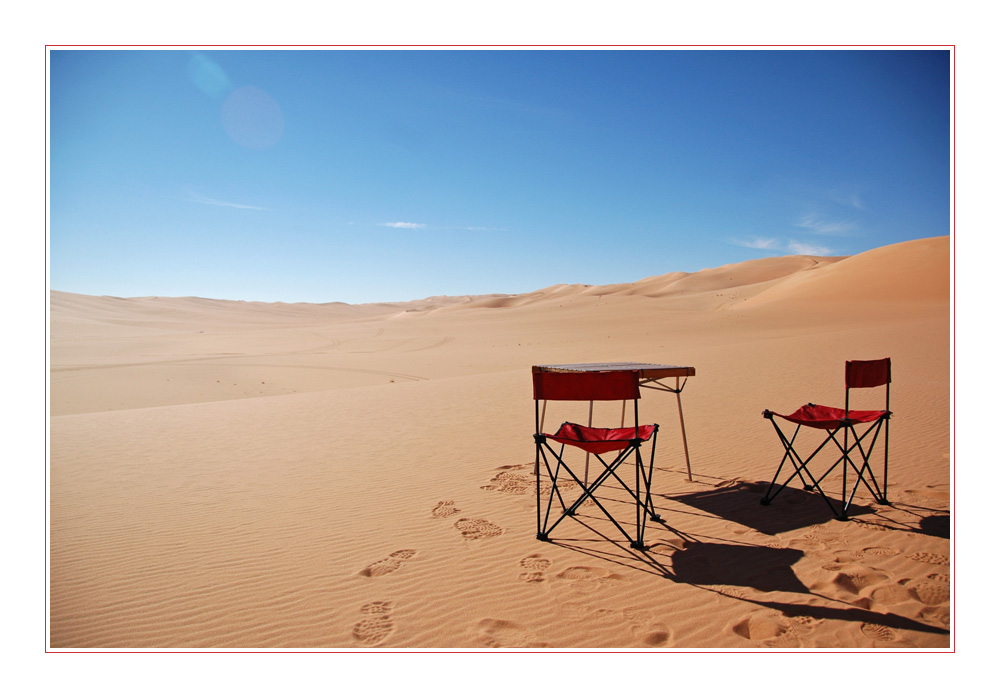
pixel 378 175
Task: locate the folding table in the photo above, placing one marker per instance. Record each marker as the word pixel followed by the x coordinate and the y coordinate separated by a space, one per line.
pixel 650 376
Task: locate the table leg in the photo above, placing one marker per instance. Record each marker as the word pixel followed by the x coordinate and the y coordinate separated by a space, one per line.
pixel 680 412
pixel 541 430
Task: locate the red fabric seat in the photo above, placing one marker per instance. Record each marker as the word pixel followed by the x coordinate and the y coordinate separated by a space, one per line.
pixel 596 440
pixel 823 417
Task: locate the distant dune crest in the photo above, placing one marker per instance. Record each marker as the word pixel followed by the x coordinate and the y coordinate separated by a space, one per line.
pixel 914 271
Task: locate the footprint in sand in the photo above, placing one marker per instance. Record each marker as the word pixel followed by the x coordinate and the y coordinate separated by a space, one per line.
pixel 666 547
pixel 389 564
pixel 657 638
pixel 376 623
pixel 940 615
pixel 807 622
pixel 932 558
pixel 878 551
pixel 517 479
pixel 936 493
pixel 865 554
pixel 476 529
pixel 520 479
pixel 511 483
pixel 535 566
pixel 880 633
pixel 769 629
pixel 871 525
pixel 891 594
pixel 586 579
pixel 444 509
pixel 824 537
pixel 855 579
pixel 807 544
pixel 494 632
pixel 930 592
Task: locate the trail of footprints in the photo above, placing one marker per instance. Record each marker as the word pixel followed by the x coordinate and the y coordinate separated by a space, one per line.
pixel 536 569
pixel 471 529
pixel 376 622
pixel 376 616
pixel 853 578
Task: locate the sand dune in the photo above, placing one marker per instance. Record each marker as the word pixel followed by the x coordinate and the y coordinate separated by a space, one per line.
pixel 230 474
pixel 904 274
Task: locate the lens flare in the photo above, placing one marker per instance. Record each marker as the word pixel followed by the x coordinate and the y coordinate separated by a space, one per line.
pixel 252 118
pixel 208 76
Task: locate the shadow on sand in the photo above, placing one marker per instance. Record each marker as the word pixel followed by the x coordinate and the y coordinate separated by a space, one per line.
pixel 686 560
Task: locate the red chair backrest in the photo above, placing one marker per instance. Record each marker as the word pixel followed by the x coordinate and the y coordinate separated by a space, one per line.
pixel 611 385
pixel 867 374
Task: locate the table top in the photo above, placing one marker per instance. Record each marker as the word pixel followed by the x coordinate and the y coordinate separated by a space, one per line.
pixel 645 371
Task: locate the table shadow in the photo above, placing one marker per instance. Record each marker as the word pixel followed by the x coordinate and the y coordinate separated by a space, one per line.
pixel 937 525
pixel 757 567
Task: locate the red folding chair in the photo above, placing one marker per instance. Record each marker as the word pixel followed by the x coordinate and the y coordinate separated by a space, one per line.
pixel 625 441
pixel 840 422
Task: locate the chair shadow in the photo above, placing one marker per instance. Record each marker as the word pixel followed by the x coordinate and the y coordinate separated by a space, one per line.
pixel 763 569
pixel 894 518
pixel 792 509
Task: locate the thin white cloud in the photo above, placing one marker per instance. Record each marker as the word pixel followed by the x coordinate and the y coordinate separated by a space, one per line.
pixel 784 246
pixel 759 244
pixel 402 224
pixel 198 199
pixel 823 226
pixel 796 247
pixel 851 200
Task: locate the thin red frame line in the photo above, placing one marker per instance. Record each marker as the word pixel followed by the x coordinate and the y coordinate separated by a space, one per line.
pixel 940 46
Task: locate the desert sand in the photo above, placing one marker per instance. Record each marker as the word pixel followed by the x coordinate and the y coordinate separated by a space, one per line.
pixel 229 474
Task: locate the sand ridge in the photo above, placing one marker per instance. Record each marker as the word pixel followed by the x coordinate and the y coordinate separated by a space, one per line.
pixel 228 474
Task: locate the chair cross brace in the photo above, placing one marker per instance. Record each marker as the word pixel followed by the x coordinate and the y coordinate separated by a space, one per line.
pixel 799 465
pixel 644 504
